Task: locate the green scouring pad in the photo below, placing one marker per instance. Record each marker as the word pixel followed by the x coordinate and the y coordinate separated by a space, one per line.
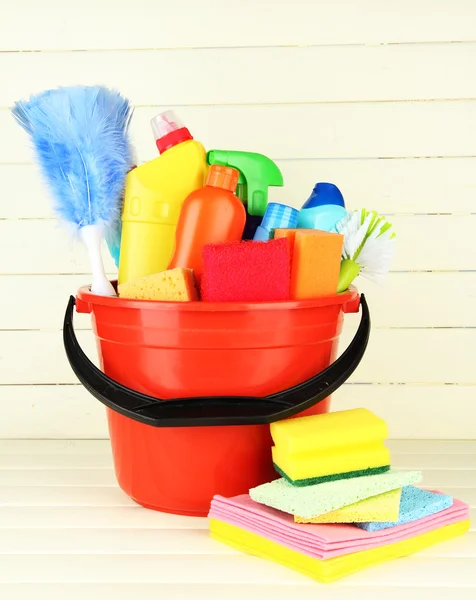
pixel 334 477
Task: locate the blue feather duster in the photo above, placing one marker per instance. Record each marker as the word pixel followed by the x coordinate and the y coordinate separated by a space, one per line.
pixel 80 138
pixel 81 144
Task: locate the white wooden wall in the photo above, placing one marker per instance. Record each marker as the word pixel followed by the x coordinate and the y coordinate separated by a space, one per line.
pixel 378 97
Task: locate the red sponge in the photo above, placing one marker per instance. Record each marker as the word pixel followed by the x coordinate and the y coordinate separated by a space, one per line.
pixel 246 271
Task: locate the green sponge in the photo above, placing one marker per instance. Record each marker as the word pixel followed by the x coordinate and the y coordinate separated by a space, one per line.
pixel 335 477
pixel 314 500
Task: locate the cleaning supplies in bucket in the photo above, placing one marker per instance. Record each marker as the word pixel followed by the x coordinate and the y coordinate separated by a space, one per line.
pixel 222 351
pixel 210 215
pixel 93 180
pixel 154 194
pixel 80 136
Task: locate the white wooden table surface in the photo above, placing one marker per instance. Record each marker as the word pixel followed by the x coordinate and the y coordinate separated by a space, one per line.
pixel 68 532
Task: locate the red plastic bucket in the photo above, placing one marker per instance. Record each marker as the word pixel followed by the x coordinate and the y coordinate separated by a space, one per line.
pixel 254 355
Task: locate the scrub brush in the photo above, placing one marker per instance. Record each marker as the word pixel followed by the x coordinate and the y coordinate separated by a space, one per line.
pixel 369 246
pixel 80 138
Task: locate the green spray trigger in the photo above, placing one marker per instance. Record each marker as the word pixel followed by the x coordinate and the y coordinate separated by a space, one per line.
pixel 257 173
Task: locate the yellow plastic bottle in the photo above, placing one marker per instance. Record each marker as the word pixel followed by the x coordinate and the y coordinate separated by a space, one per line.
pixel 153 197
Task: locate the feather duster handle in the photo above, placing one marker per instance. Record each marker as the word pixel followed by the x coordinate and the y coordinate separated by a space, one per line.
pixel 91 236
pixel 80 138
pixel 113 239
pixel 369 246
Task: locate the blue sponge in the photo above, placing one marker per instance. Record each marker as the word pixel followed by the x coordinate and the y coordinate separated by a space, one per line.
pixel 414 504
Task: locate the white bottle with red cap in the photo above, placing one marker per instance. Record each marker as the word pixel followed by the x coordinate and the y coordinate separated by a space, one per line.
pixel 153 198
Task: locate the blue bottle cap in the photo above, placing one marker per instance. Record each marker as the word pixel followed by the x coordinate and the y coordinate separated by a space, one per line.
pixel 324 193
pixel 279 216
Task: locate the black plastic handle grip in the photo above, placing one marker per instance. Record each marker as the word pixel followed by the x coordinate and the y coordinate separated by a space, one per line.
pixel 214 410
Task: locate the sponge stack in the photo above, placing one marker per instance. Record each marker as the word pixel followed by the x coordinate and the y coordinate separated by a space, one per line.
pixel 338 508
pixel 329 447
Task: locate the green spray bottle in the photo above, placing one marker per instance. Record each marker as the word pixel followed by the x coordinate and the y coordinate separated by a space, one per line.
pixel 257 173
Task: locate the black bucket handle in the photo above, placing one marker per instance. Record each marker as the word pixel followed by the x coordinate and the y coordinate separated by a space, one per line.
pixel 214 410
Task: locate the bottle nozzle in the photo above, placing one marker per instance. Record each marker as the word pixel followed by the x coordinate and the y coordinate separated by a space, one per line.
pixel 257 173
pixel 169 130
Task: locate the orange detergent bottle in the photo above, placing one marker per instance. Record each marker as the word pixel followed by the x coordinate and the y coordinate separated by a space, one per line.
pixel 210 215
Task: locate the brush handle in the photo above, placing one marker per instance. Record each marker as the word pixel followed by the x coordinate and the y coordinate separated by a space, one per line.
pixel 91 236
pixel 349 270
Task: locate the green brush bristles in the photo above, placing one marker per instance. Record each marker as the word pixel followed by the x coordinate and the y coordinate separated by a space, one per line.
pixel 334 477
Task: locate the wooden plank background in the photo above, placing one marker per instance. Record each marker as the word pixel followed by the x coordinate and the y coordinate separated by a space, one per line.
pixel 376 97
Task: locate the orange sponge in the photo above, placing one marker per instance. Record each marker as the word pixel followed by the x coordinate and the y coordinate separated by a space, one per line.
pixel 289 235
pixel 315 261
pixel 174 285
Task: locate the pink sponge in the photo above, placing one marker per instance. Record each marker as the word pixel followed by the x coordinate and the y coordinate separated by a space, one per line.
pixel 246 271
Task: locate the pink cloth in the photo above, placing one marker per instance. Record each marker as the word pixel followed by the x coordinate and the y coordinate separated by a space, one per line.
pixel 323 540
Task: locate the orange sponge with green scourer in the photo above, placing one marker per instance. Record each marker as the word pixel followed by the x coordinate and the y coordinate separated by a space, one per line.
pixel 316 260
pixel 246 271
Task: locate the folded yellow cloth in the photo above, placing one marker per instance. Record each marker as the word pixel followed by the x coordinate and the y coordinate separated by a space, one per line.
pixel 313 449
pixel 331 569
pixel 383 507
